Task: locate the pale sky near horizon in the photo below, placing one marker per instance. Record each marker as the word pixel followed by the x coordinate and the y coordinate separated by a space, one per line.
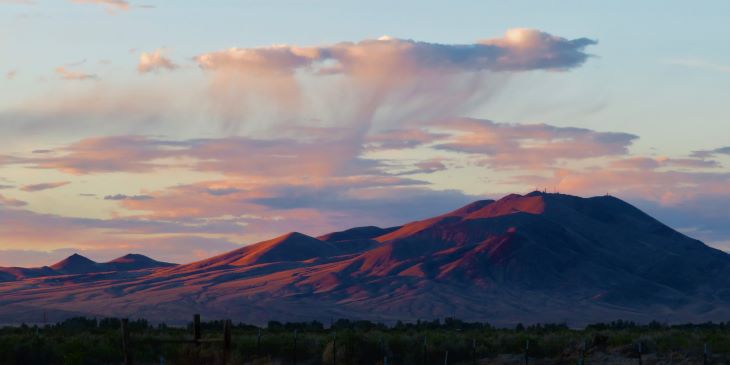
pixel 183 129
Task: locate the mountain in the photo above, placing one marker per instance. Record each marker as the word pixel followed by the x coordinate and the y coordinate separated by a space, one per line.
pixel 524 258
pixel 77 264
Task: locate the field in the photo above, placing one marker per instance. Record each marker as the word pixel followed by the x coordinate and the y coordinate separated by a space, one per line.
pixel 92 341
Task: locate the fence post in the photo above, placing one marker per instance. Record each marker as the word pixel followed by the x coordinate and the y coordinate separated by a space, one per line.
pixel 583 353
pixel 126 348
pixel 295 347
pixel 424 350
pixel 527 352
pixel 446 358
pixel 226 341
pixel 474 351
pixel 640 352
pixel 334 348
pixel 258 344
pixel 705 355
pixel 196 329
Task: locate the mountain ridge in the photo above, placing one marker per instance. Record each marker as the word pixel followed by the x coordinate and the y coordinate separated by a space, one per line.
pixel 522 258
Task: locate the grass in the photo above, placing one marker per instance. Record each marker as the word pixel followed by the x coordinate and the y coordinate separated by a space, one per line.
pixel 88 341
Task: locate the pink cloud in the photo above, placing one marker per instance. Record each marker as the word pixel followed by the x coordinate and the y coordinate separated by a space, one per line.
pixel 535 146
pixel 74 75
pixel 11 202
pixel 154 61
pixel 111 5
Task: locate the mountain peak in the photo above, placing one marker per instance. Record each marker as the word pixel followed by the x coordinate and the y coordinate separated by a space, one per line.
pixel 131 257
pixel 74 264
pixel 133 261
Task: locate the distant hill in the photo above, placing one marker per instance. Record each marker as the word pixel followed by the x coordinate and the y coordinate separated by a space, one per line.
pixel 77 264
pixel 523 258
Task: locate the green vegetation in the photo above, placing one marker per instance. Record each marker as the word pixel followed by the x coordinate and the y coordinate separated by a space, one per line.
pixel 90 341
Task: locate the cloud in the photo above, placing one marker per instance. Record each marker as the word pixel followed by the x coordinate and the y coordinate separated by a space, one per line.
pixel 11 202
pixel 26 2
pixel 647 163
pixel 127 197
pixel 43 186
pixel 505 145
pixel 700 64
pixel 231 155
pixel 154 61
pixel 111 5
pixel 74 75
pixel 710 153
pixel 376 81
pixel 105 154
pixel 519 50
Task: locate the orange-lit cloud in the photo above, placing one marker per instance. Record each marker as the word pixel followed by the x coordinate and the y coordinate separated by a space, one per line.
pixel 11 202
pixel 154 61
pixel 67 74
pixel 111 5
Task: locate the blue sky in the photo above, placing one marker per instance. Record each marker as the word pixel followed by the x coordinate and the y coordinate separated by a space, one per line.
pixel 72 88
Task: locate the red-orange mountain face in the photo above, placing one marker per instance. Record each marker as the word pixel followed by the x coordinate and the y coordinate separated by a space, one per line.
pixel 537 257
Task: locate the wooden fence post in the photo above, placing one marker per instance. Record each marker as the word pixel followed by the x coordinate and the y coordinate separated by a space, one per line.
pixel 334 348
pixel 425 350
pixel 196 329
pixel 126 346
pixel 226 341
pixel 527 352
pixel 474 351
pixel 295 347
pixel 258 344
pixel 705 356
pixel 446 358
pixel 640 352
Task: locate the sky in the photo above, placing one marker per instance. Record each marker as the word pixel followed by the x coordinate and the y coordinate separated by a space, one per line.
pixel 184 129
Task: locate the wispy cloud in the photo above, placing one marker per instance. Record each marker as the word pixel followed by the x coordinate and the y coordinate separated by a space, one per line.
pixel 712 152
pixel 154 61
pixel 43 186
pixel 67 74
pixel 127 197
pixel 698 63
pixel 111 5
pixel 11 202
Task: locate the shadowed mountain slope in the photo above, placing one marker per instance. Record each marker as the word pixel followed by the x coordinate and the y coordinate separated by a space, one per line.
pixel 522 258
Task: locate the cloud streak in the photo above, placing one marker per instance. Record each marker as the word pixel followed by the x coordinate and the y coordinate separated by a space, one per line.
pixel 43 186
pixel 111 5
pixel 67 74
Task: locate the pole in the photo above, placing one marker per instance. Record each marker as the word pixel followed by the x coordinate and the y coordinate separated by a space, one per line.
pixel 527 352
pixel 640 351
pixel 334 348
pixel 258 344
pixel 226 341
pixel 705 355
pixel 295 347
pixel 583 353
pixel 474 351
pixel 446 358
pixel 196 329
pixel 424 350
pixel 125 342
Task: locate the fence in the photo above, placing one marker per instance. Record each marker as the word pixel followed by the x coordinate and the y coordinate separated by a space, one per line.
pixel 426 357
pixel 197 340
